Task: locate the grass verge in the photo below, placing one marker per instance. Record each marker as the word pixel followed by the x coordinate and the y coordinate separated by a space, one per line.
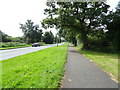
pixel 0 75
pixel 41 69
pixel 107 61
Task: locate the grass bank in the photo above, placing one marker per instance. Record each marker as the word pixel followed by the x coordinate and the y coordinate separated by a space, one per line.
pixel 107 61
pixel 41 69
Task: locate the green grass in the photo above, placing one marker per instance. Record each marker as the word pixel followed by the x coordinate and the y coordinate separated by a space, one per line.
pixel 10 45
pixel 41 69
pixel 3 48
pixel 0 75
pixel 107 61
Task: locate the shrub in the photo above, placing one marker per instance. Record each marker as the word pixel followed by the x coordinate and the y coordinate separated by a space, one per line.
pixel 12 44
pixel 41 43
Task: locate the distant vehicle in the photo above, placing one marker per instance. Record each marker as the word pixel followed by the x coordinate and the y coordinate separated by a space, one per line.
pixel 35 44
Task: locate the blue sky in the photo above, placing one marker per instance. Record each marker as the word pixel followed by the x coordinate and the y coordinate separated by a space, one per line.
pixel 13 12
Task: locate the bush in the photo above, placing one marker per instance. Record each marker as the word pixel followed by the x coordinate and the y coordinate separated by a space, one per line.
pixel 12 44
pixel 41 43
pixel 97 42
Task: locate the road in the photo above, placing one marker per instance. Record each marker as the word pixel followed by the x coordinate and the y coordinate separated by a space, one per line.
pixel 81 73
pixel 6 54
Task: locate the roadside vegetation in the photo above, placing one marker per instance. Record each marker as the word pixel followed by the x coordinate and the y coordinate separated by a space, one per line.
pixel 33 35
pixel 105 60
pixel 91 24
pixel 78 22
pixel 41 69
pixel 10 45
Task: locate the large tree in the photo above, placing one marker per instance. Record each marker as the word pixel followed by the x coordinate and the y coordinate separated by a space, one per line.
pixel 82 18
pixel 112 22
pixel 4 37
pixel 48 38
pixel 32 33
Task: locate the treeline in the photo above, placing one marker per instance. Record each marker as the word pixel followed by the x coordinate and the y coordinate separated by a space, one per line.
pixel 32 34
pixel 87 23
pixel 6 38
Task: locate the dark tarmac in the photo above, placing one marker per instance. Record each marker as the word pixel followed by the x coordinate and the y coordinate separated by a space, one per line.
pixel 82 73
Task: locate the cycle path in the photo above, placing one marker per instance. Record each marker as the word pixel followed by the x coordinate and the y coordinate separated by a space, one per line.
pixel 82 73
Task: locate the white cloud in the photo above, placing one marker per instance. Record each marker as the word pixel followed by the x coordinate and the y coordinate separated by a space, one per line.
pixel 112 3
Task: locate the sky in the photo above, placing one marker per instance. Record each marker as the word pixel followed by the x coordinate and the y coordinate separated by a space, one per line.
pixel 13 12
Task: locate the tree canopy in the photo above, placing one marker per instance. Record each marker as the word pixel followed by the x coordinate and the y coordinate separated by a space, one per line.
pixel 79 18
pixel 48 38
pixel 32 33
pixel 4 37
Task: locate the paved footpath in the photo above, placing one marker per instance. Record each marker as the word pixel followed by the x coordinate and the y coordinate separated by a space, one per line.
pixel 82 73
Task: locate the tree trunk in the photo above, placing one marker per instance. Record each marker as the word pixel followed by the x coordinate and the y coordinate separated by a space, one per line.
pixel 84 41
pixel 75 42
pixel 84 37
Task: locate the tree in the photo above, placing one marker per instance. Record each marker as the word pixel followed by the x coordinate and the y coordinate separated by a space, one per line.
pixel 48 38
pixel 32 33
pixel 37 33
pixel 112 21
pixel 52 36
pixel 82 18
pixel 4 37
pixel 17 39
pixel 68 36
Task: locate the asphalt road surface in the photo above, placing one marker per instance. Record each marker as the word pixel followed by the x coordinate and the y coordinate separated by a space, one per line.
pixel 82 73
pixel 6 54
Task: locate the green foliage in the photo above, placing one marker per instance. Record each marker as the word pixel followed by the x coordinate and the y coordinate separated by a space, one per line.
pixel 80 18
pixel 17 39
pixel 32 33
pixel 112 21
pixel 41 69
pixel 12 44
pixel 57 39
pixel 48 38
pixel 41 43
pixel 97 42
pixel 4 37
